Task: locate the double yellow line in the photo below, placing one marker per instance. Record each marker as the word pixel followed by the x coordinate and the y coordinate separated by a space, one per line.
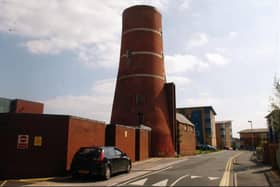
pixel 226 177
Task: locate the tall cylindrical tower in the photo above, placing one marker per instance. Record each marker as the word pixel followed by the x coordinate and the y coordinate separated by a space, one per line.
pixel 140 96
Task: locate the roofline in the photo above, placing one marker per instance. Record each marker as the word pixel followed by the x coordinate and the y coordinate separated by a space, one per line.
pixel 253 130
pixel 53 115
pixel 198 107
pixel 226 121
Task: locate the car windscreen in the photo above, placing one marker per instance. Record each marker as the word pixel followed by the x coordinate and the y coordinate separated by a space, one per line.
pixel 92 152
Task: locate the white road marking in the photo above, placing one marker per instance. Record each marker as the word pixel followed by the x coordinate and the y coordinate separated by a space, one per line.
pixel 148 174
pixel 213 178
pixel 161 183
pixel 176 181
pixel 195 177
pixel 139 182
pixel 235 179
pixel 3 183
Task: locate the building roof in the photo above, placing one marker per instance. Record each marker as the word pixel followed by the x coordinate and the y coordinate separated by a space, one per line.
pixel 260 130
pixel 199 107
pixel 182 119
pixel 222 122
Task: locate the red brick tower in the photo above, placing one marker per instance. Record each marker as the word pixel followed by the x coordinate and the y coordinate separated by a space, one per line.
pixel 141 91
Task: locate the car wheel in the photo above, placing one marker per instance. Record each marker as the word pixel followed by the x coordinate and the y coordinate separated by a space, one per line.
pixel 107 173
pixel 128 169
pixel 75 175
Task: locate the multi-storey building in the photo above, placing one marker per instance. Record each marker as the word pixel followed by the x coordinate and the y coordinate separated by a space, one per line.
pixel 224 134
pixel 203 118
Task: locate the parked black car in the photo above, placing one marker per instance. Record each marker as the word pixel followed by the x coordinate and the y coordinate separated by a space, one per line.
pixel 102 161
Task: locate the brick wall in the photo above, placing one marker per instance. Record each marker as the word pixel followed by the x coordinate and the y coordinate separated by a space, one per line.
pixel 122 137
pixel 22 106
pixel 83 133
pixel 142 143
pixel 33 159
pixel 53 140
pixel 187 140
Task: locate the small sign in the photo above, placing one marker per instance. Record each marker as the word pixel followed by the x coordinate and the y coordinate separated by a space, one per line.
pixel 22 142
pixel 37 141
pixel 125 134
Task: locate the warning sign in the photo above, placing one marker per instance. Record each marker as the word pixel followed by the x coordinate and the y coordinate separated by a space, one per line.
pixel 38 141
pixel 22 142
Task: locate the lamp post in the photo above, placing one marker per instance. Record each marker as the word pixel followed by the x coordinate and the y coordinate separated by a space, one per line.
pixel 252 135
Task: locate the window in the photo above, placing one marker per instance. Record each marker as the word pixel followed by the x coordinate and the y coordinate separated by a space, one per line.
pixel 109 151
pixel 208 132
pixel 139 99
pixel 140 118
pixel 128 55
pixel 118 152
pixel 207 124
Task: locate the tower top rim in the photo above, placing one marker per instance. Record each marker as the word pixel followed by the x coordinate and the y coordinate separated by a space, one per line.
pixel 142 6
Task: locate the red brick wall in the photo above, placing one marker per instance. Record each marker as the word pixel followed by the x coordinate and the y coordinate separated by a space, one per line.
pixel 82 133
pixel 49 159
pixel 125 140
pixel 187 141
pixel 143 144
pixel 22 106
pixel 122 137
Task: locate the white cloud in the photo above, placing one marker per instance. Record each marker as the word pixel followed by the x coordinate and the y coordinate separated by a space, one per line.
pixel 106 86
pixel 91 28
pixel 184 4
pixel 202 101
pixel 181 82
pixel 102 54
pixel 232 35
pixel 198 40
pixel 96 105
pixel 88 106
pixel 181 63
pixel 215 58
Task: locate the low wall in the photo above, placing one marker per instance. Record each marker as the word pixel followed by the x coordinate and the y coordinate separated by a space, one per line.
pixel 122 137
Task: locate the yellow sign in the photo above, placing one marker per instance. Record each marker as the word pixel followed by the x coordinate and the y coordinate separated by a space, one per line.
pixel 38 141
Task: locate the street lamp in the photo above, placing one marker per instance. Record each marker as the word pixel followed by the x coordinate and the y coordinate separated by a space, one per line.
pixel 252 135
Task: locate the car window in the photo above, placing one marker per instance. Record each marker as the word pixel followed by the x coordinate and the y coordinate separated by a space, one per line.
pixel 109 151
pixel 118 152
pixel 94 152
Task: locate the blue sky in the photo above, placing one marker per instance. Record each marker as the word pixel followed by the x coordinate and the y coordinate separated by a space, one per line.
pixel 65 54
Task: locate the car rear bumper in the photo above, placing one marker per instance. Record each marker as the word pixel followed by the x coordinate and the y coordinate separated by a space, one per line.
pixel 95 170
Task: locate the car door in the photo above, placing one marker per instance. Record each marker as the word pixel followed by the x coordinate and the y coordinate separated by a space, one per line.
pixel 122 159
pixel 114 159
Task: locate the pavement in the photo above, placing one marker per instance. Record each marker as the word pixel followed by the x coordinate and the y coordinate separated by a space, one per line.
pixel 249 171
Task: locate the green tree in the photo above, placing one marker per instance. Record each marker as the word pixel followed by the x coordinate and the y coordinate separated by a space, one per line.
pixel 275 105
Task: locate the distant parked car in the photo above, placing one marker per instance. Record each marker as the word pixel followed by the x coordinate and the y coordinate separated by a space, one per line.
pixel 205 147
pixel 228 148
pixel 102 161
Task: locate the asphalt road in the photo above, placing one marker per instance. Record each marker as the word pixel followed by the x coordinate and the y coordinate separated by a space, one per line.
pixel 202 170
pixel 212 169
